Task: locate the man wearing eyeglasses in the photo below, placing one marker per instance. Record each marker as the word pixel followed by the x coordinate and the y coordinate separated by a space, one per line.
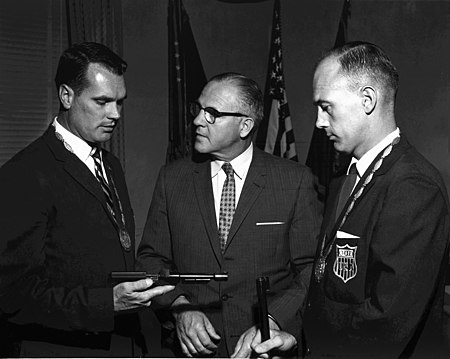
pixel 243 212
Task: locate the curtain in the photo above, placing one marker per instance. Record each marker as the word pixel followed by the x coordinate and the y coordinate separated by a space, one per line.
pixel 32 36
pixel 99 21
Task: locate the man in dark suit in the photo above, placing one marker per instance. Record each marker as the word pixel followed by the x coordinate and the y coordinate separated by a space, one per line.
pixel 378 284
pixel 66 222
pixel 260 219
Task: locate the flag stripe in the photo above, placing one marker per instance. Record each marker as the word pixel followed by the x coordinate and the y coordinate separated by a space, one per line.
pixel 277 115
pixel 322 158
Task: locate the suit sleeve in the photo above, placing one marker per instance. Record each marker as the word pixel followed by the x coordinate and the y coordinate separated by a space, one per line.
pixel 406 254
pixel 303 236
pixel 27 296
pixel 154 252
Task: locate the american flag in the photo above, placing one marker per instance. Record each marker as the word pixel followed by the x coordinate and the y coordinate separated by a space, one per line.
pixel 276 134
pixel 323 159
pixel 186 80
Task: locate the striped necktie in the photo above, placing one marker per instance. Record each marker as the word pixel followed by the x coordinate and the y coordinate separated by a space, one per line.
pixel 101 178
pixel 227 205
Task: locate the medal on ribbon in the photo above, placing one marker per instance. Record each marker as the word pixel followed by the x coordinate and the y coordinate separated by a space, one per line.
pixel 119 220
pixel 319 270
pixel 125 239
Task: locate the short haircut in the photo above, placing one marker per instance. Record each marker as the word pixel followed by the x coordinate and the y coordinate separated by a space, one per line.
pixel 250 95
pixel 74 62
pixel 360 60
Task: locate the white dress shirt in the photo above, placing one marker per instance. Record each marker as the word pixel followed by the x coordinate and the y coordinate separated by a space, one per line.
pixel 240 165
pixel 78 147
pixel 365 161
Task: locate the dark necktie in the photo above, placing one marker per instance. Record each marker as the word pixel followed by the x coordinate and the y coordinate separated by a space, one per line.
pixel 347 188
pixel 101 178
pixel 227 205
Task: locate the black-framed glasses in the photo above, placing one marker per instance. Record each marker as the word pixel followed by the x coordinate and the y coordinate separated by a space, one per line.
pixel 210 113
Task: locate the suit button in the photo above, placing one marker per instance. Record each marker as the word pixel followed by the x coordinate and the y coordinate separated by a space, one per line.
pixel 225 297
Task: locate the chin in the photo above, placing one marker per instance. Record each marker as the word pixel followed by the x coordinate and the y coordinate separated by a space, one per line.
pixel 340 149
pixel 199 148
pixel 104 138
pixel 338 146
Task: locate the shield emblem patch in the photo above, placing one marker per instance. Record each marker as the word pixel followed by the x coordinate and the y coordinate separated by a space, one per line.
pixel 345 264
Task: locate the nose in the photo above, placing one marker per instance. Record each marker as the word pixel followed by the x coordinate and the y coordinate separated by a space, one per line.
pixel 199 120
pixel 321 121
pixel 114 111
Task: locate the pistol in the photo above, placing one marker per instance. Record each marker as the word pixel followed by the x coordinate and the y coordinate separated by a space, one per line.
pixel 166 277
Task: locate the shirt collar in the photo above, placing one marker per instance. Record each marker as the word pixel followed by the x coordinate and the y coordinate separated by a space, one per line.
pixel 365 161
pixel 240 164
pixel 79 147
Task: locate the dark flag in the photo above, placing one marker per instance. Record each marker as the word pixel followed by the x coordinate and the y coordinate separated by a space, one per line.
pixel 276 134
pixel 323 159
pixel 186 81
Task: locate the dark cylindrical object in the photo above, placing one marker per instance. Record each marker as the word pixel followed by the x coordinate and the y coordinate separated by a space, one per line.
pixel 262 286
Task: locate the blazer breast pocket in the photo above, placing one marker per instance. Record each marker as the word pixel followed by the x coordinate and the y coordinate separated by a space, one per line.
pixel 271 234
pixel 272 223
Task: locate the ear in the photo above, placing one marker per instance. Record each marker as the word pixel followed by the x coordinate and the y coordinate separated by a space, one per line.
pixel 369 97
pixel 66 96
pixel 246 126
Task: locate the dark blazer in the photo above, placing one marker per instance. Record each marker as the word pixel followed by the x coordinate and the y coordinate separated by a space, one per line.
pixel 392 307
pixel 58 245
pixel 273 233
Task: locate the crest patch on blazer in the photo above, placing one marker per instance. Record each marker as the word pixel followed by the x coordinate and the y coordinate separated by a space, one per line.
pixel 345 264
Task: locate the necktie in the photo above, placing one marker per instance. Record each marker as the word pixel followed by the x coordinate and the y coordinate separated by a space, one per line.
pixel 347 188
pixel 227 205
pixel 101 178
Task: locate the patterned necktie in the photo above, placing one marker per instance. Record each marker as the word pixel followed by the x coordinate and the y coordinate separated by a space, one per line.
pixel 227 205
pixel 347 188
pixel 101 178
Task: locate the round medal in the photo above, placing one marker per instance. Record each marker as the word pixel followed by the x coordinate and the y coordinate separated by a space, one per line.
pixel 125 239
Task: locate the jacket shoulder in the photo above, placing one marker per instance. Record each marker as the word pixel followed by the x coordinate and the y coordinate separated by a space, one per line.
pixel 414 164
pixel 277 163
pixel 182 166
pixel 31 156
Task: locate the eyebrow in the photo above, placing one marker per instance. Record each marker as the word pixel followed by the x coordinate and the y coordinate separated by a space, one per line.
pixel 198 103
pixel 318 102
pixel 108 98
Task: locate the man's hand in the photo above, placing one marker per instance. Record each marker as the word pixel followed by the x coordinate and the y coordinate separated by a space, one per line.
pixel 251 339
pixel 195 332
pixel 243 347
pixel 279 342
pixel 138 294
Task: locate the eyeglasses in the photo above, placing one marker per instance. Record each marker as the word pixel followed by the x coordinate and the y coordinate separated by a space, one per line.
pixel 210 113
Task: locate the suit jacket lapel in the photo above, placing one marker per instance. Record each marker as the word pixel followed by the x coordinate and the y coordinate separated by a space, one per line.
pixel 75 168
pixel 332 201
pixel 397 151
pixel 254 184
pixel 205 198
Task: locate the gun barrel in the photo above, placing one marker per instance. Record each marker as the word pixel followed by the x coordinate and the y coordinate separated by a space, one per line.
pixel 196 277
pixel 169 277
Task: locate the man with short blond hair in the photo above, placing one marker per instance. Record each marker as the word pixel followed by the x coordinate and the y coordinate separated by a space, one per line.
pixel 379 274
